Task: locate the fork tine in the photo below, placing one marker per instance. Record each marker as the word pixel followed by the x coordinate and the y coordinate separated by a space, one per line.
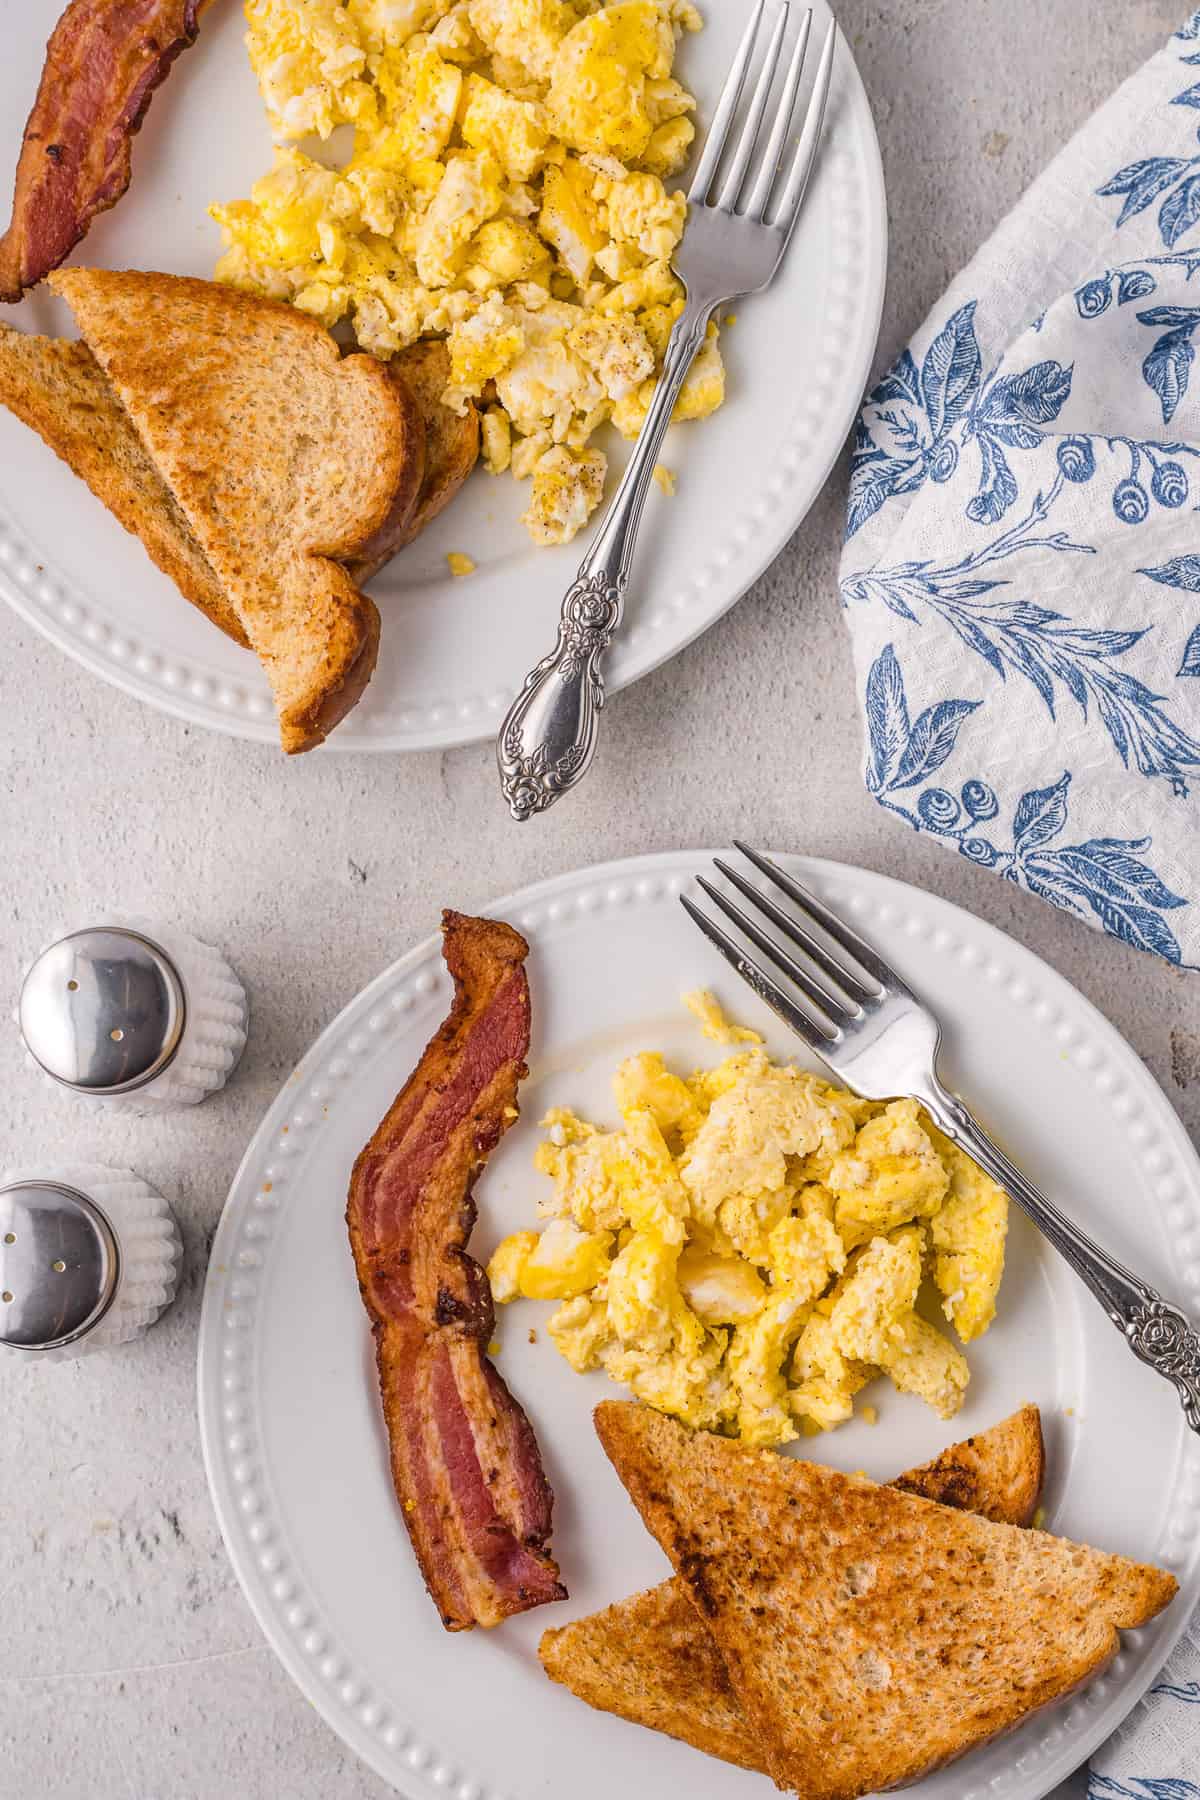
pixel 722 120
pixel 826 967
pixel 755 976
pixel 732 186
pixel 810 138
pixel 830 1007
pixel 760 193
pixel 842 934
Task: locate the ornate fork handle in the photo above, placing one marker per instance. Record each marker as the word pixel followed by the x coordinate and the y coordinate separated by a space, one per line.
pixel 1157 1332
pixel 549 735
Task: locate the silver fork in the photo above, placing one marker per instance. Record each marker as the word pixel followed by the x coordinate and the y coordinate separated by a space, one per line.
pixel 853 1009
pixel 734 241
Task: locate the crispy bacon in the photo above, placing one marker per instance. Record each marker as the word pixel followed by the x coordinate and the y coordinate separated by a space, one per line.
pixel 103 62
pixel 465 1463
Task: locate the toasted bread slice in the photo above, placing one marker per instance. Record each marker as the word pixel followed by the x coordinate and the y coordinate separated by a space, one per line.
pixel 283 456
pixel 652 1660
pixel 57 388
pixel 997 1474
pixel 870 1635
pixel 451 450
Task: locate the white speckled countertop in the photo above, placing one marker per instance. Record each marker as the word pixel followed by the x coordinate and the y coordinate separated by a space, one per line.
pixel 130 1667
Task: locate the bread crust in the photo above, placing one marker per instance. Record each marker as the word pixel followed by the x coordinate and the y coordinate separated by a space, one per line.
pixel 307 726
pixel 411 425
pixel 450 444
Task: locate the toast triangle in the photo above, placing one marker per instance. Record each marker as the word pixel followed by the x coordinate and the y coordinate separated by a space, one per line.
pixel 282 454
pixel 57 388
pixel 650 1659
pixel 870 1635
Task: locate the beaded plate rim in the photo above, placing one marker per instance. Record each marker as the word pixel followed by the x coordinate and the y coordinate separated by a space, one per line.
pixel 396 1749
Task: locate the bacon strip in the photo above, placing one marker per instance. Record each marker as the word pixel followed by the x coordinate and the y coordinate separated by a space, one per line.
pixel 103 62
pixel 465 1463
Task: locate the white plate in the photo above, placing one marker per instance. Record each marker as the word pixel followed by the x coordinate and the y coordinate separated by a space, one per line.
pixel 292 1432
pixel 454 651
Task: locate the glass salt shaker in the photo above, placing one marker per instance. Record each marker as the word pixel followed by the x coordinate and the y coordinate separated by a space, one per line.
pixel 133 1012
pixel 89 1258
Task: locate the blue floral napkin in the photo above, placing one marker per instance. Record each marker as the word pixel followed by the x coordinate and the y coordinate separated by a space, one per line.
pixel 1021 573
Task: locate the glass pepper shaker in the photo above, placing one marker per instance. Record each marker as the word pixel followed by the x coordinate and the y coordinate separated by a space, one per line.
pixel 89 1258
pixel 133 1012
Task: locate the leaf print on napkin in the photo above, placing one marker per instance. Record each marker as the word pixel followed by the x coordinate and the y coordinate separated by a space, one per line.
pixel 951 370
pixel 1041 815
pixel 1182 573
pixel 1044 647
pixel 903 755
pixel 913 413
pixel 1167 369
pixel 1140 183
pixel 887 719
pixel 1006 417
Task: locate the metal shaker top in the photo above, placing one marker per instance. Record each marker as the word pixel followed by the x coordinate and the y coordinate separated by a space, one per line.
pixel 103 1010
pixel 59 1265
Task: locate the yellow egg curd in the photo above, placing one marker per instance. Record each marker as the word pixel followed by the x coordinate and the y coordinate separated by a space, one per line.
pixel 747 1249
pixel 506 189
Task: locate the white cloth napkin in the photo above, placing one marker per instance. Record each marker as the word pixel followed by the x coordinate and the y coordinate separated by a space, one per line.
pixel 1021 579
pixel 1021 574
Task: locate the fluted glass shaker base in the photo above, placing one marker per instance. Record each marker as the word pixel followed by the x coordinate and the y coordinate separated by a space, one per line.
pixel 134 1012
pixel 89 1259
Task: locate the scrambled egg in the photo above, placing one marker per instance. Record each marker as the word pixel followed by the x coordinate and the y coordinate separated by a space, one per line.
pixel 747 1250
pixel 507 189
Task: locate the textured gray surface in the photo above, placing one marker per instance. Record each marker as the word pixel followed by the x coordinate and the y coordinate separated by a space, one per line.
pixel 129 1664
